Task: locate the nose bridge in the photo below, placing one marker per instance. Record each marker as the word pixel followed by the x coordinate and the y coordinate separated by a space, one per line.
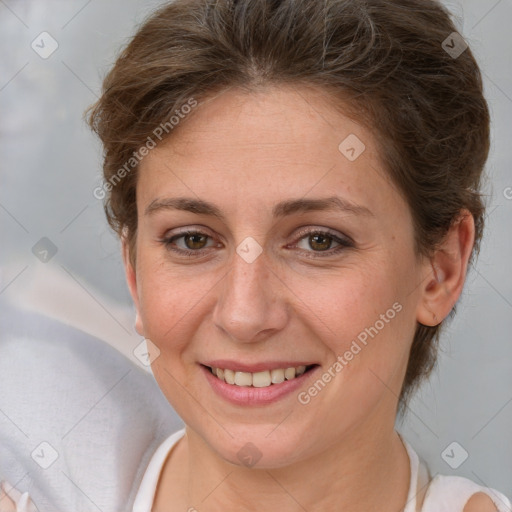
pixel 249 302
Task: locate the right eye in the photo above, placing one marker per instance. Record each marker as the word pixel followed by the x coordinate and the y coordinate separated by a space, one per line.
pixel 193 243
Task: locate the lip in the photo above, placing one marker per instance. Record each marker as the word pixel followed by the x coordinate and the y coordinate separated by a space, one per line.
pixel 251 396
pixel 227 364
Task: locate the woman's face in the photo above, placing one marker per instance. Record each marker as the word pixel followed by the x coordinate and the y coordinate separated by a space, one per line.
pixel 303 256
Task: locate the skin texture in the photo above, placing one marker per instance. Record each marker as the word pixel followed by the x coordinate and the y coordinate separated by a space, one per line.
pixel 245 152
pixel 480 502
pixel 8 504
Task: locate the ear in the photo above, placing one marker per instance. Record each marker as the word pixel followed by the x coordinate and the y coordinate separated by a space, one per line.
pixel 445 272
pixel 131 279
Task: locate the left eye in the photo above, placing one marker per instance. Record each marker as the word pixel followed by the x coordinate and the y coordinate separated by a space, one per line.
pixel 319 241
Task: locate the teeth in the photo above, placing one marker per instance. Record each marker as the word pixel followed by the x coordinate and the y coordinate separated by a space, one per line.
pixel 258 379
pixel 261 379
pixel 243 379
pixel 229 376
pixel 289 373
pixel 277 376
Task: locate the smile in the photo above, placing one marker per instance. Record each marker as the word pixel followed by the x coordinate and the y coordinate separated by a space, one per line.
pixel 259 379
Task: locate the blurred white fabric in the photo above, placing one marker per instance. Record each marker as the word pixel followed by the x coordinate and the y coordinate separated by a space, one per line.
pixel 72 404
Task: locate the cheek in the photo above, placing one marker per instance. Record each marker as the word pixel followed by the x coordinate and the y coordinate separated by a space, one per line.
pixel 384 336
pixel 167 300
pixel 369 313
pixel 349 300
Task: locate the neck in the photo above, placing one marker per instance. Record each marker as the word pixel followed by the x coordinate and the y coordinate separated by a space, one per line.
pixel 367 470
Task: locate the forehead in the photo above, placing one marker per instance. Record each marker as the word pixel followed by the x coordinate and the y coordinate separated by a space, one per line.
pixel 266 145
pixel 275 120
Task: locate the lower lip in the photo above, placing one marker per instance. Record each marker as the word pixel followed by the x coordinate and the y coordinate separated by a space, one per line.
pixel 249 395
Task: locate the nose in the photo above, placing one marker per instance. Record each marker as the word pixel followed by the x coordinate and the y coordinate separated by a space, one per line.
pixel 252 303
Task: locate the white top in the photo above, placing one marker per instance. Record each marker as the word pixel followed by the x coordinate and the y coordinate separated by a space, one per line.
pixel 444 493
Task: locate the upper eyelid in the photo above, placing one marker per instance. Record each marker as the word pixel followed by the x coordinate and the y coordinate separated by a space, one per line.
pixel 324 231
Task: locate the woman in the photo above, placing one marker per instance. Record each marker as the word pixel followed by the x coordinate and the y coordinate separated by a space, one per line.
pixel 296 188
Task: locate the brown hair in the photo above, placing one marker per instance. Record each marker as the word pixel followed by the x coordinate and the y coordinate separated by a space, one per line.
pixel 385 59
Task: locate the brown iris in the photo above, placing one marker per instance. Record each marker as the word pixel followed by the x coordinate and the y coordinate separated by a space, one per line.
pixel 321 246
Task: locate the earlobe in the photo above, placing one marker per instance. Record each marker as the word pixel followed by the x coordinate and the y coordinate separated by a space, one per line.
pixel 445 272
pixel 138 325
pixel 131 280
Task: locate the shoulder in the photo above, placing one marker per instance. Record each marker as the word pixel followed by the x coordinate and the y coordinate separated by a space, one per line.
pixel 451 493
pixel 459 494
pixel 480 502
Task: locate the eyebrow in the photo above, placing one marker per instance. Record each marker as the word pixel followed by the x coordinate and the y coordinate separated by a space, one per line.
pixel 282 209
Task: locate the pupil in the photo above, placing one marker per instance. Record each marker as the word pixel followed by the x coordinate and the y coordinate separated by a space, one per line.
pixel 194 238
pixel 315 239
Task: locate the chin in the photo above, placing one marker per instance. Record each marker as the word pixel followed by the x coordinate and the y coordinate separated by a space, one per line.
pixel 258 446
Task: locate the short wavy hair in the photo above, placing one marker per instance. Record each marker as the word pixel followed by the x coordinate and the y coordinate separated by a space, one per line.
pixel 387 61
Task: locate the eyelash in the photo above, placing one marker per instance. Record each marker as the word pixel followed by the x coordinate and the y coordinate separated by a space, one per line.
pixel 344 243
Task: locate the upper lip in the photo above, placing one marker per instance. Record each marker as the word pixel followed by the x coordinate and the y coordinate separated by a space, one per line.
pixel 227 364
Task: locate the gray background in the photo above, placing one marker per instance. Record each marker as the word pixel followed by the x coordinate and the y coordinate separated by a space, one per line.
pixel 50 164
